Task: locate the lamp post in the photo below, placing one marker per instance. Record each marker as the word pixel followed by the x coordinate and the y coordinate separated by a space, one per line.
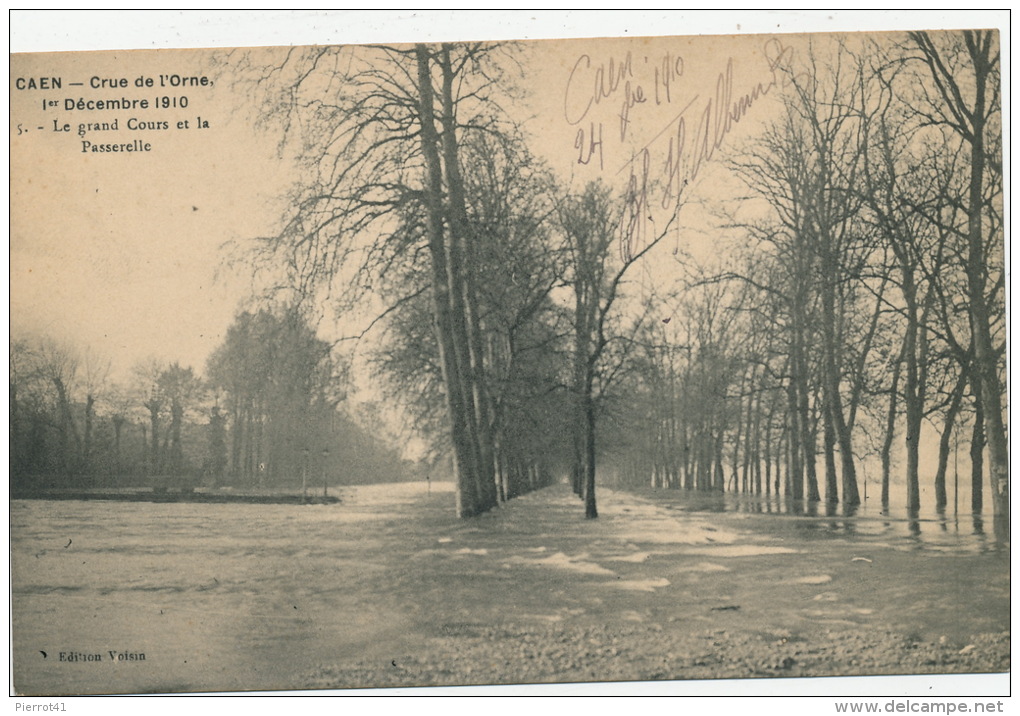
pixel 304 474
pixel 325 458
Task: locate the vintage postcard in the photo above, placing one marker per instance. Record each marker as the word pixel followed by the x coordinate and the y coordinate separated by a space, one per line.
pixel 673 358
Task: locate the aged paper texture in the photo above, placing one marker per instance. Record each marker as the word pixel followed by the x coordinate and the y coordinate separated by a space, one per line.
pixel 672 357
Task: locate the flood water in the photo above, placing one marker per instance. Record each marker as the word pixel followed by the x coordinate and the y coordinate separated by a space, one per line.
pixel 235 597
pixel 215 596
pixel 895 526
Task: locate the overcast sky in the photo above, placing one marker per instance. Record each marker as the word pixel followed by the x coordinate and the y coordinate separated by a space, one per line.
pixel 121 252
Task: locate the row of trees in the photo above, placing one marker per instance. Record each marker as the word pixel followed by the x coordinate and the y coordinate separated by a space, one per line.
pixel 70 425
pixel 866 302
pixel 869 302
pixel 869 298
pixel 268 413
pixel 498 288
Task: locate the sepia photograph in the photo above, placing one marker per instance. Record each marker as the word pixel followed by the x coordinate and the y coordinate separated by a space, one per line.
pixel 666 360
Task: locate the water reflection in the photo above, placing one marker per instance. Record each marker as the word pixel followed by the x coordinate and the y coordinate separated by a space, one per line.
pixel 929 529
pixel 914 522
pixel 943 522
pixel 979 525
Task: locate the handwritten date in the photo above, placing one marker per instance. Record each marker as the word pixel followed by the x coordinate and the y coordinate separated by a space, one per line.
pixel 661 170
pixel 615 79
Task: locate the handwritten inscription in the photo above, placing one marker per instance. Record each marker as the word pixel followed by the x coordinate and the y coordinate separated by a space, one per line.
pixel 589 85
pixel 659 171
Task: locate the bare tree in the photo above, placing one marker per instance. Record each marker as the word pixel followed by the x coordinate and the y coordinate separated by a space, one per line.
pixel 96 373
pixel 180 387
pixel 591 224
pixel 59 364
pixel 963 96
pixel 149 396
pixel 385 136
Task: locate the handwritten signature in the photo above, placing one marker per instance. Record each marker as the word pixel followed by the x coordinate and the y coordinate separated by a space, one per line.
pixel 694 134
pixel 717 119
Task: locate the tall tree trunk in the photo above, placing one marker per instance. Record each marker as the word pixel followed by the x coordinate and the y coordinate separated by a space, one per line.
pixel 236 439
pixel 779 457
pixel 767 457
pixel 688 456
pixel 462 271
pixel 794 468
pixel 673 427
pixel 810 489
pixel 154 408
pixel 967 113
pixel 833 399
pixel 831 494
pixel 582 349
pixel 756 443
pixel 70 448
pixel 17 453
pixel 118 426
pixel 890 431
pixel 176 450
pixel 86 451
pixel 720 477
pixel 258 460
pixel 985 359
pixel 747 472
pixel 739 479
pixel 912 396
pixel 590 508
pixel 465 456
pixel 977 459
pixel 947 431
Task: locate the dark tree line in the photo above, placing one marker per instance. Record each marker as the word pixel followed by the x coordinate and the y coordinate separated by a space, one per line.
pixel 281 387
pixel 72 426
pixel 869 306
pixel 269 414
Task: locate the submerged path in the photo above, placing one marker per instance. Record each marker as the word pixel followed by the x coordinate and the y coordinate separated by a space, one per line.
pixel 388 589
